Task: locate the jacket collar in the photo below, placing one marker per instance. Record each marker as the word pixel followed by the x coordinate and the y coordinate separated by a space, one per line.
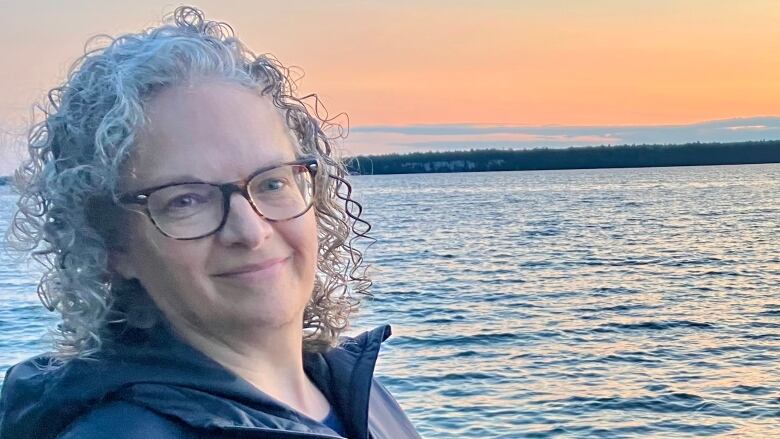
pixel 347 382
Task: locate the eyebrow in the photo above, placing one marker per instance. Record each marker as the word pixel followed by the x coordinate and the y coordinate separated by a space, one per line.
pixel 179 179
pixel 187 178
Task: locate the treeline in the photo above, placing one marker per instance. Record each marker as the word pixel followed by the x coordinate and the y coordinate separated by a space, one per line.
pixel 624 156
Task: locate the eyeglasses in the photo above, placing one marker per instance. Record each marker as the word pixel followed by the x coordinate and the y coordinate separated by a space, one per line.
pixel 195 210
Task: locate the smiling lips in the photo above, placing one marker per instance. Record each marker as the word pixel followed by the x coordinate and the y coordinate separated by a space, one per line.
pixel 250 271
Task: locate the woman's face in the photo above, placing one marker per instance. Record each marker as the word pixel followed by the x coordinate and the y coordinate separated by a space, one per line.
pixel 251 273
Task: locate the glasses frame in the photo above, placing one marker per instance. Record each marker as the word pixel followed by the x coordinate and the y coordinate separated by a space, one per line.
pixel 141 198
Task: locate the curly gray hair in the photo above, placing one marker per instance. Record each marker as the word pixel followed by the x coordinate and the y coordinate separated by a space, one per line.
pixel 68 184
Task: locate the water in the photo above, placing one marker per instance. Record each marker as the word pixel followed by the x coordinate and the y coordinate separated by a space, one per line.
pixel 586 303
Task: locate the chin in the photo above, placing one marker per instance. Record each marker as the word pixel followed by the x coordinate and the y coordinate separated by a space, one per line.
pixel 261 315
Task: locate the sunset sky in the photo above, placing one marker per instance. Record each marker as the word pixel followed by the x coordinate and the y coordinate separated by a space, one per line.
pixel 408 73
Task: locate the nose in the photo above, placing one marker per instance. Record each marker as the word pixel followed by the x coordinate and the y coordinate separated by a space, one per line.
pixel 243 226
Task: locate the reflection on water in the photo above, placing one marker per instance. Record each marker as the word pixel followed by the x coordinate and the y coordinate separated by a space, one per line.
pixel 615 303
pixel 593 303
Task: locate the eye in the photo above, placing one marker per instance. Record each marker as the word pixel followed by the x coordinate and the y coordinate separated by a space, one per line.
pixel 186 201
pixel 272 185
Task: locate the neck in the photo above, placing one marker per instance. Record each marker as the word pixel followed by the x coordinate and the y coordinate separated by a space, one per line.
pixel 270 359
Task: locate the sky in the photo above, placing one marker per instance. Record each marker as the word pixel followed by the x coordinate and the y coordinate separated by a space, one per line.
pixel 442 74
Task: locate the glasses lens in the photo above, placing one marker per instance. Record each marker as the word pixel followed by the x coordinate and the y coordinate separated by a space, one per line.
pixel 186 210
pixel 282 193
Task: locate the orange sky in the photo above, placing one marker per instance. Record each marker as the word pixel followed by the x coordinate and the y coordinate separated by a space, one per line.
pixel 458 61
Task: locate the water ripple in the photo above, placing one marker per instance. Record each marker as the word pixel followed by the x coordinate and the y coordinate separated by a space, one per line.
pixel 622 303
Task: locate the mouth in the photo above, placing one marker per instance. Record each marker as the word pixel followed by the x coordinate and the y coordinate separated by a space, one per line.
pixel 258 268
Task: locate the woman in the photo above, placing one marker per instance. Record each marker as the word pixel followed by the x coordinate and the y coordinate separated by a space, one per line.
pixel 196 227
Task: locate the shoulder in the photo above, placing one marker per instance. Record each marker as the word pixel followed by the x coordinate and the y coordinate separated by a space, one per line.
pixel 386 417
pixel 122 420
pixel 383 402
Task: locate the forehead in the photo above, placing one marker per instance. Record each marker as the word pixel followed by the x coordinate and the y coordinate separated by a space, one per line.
pixel 213 131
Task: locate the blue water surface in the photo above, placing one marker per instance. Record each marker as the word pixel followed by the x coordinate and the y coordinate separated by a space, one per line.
pixel 618 303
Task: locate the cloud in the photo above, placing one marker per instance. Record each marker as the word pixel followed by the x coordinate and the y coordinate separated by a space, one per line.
pixel 382 139
pixel 748 127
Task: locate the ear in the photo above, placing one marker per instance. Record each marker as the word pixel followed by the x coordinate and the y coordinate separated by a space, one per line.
pixel 120 262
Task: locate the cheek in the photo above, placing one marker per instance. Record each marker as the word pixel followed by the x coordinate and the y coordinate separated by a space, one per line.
pixel 310 236
pixel 160 261
pixel 301 236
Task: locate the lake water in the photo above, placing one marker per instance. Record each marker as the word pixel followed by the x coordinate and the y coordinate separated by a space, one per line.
pixel 582 303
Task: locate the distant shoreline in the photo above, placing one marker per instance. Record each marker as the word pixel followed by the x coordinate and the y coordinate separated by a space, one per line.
pixel 591 157
pixel 545 159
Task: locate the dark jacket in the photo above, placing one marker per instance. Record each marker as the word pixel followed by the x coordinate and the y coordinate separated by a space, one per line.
pixel 161 387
